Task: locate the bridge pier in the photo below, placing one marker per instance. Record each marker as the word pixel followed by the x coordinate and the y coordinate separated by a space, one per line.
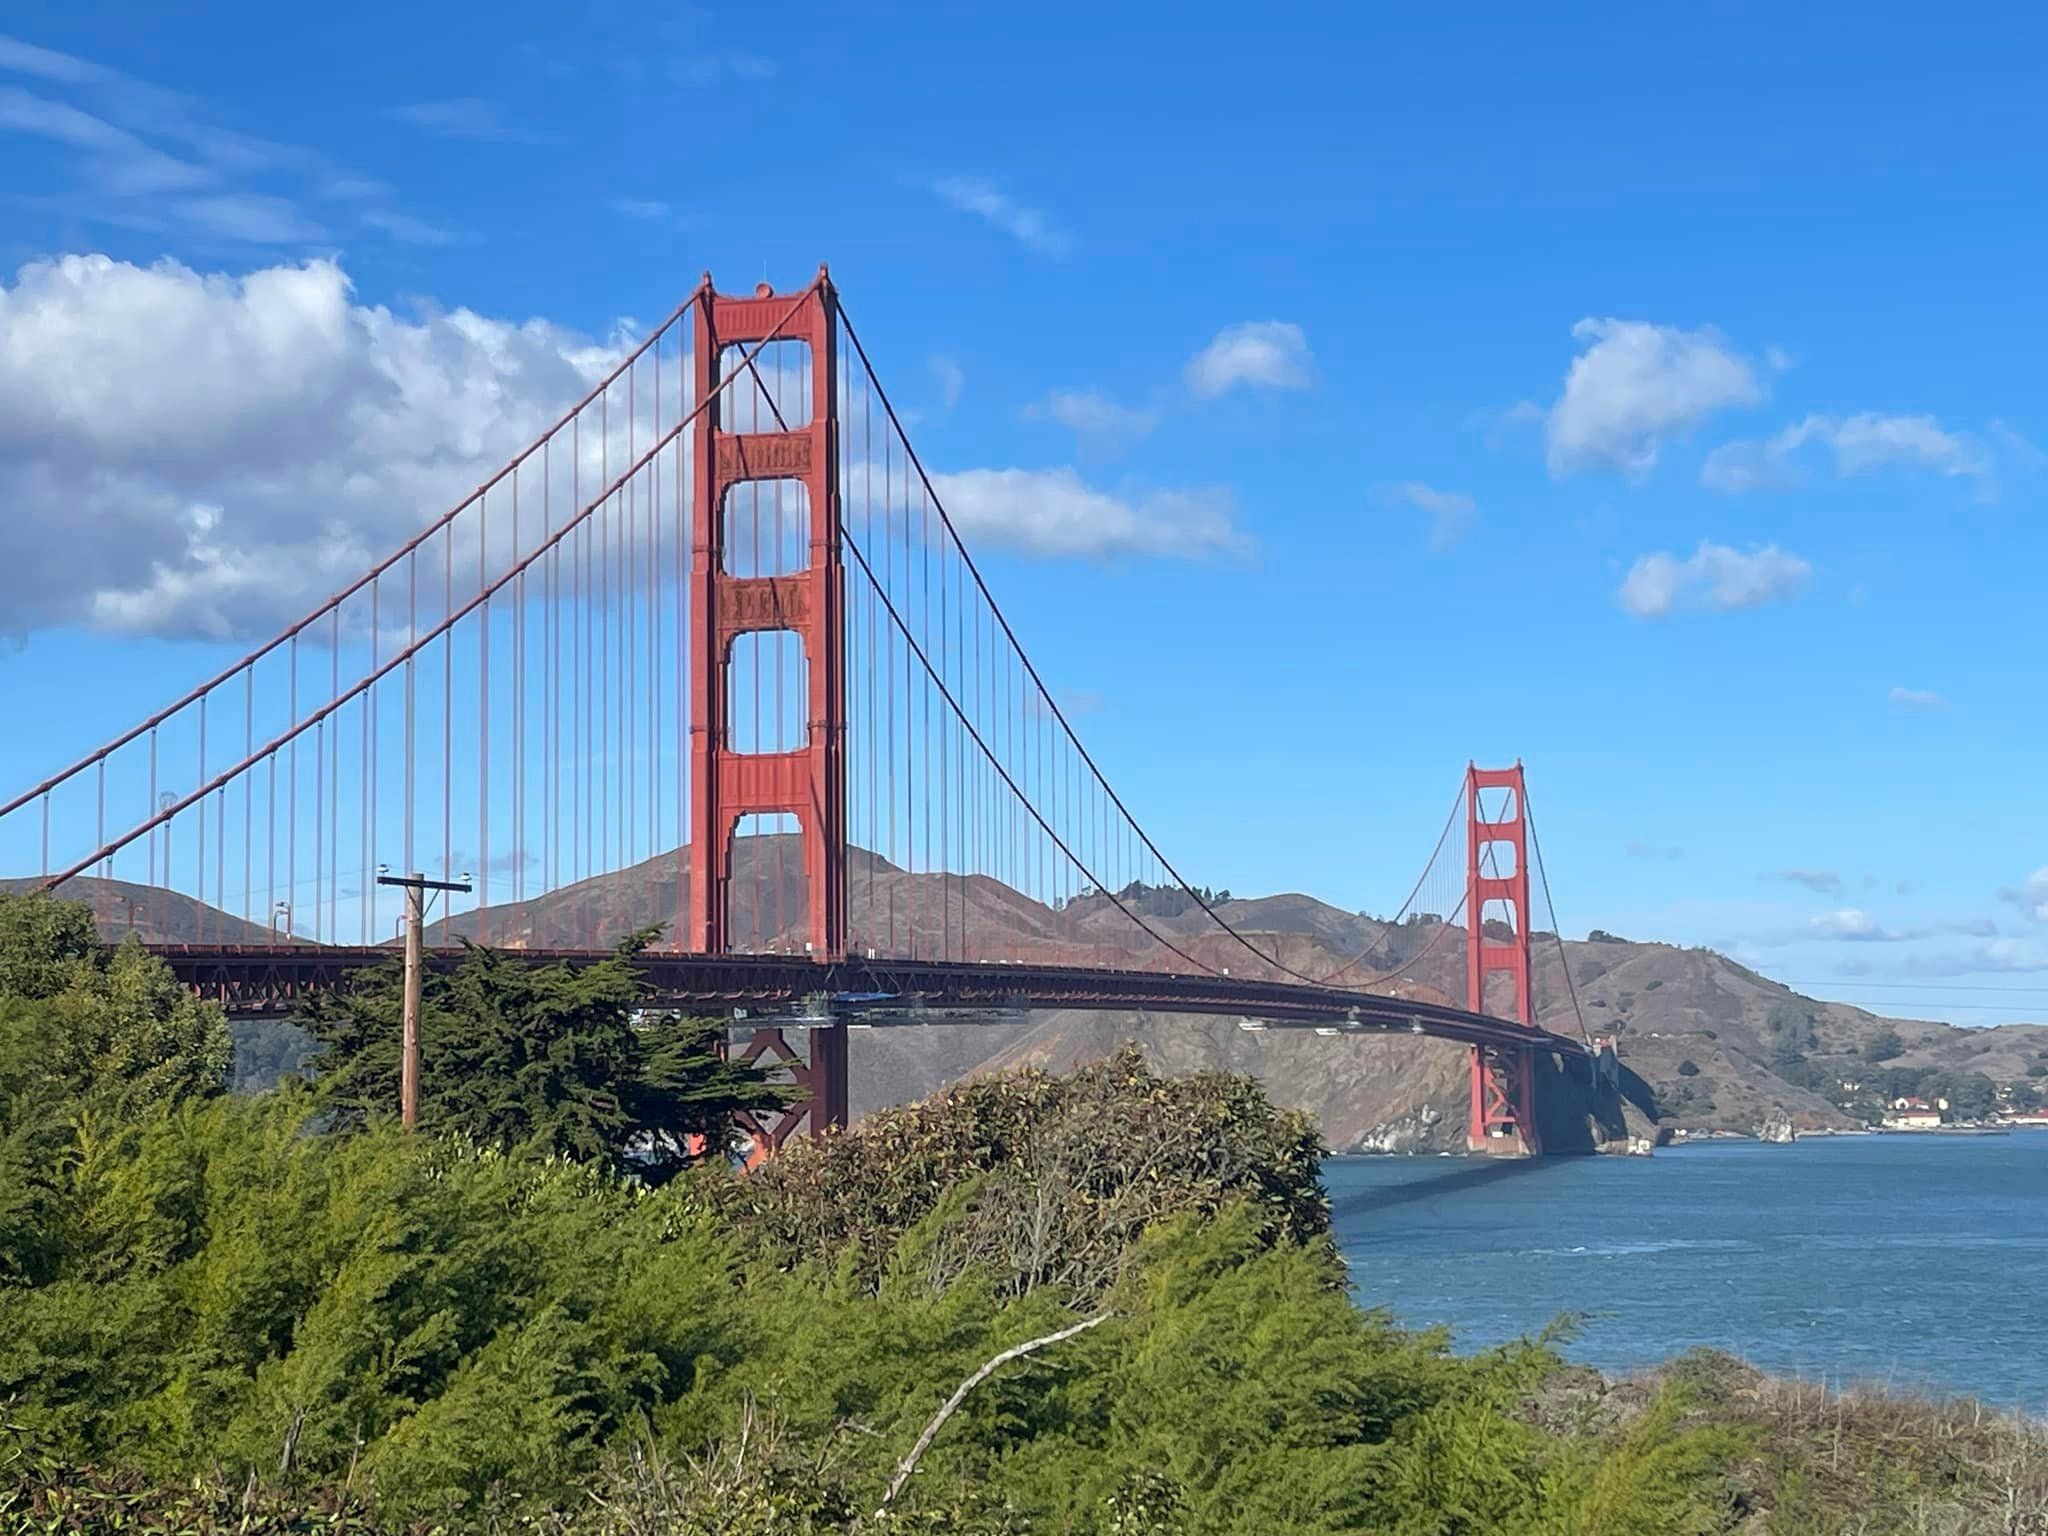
pixel 820 1077
pixel 1503 1121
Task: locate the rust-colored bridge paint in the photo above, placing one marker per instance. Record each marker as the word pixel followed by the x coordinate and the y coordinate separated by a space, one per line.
pixel 808 783
pixel 1503 1084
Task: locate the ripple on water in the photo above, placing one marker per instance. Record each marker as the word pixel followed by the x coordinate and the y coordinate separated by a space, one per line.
pixel 1915 1261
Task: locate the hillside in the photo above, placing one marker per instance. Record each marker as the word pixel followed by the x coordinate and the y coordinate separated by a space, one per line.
pixel 1719 1046
pixel 156 916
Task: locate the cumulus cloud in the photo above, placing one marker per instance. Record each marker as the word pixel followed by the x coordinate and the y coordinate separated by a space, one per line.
pixel 1031 226
pixel 1917 698
pixel 299 437
pixel 1054 512
pixel 1101 426
pixel 1858 445
pixel 1269 353
pixel 1637 386
pixel 1449 511
pixel 1849 923
pixel 1713 579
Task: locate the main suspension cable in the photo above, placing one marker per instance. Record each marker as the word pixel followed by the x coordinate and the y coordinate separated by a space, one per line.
pixel 1556 928
pixel 1045 694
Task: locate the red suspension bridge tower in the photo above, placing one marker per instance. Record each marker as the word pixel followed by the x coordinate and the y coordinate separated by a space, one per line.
pixel 808 783
pixel 1503 1099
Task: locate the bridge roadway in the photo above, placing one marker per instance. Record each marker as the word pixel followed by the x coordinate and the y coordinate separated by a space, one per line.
pixel 265 981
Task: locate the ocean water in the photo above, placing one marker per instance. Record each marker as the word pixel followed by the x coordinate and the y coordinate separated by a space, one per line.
pixel 1911 1261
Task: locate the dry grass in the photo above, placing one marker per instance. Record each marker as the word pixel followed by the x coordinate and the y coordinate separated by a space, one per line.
pixel 1861 1462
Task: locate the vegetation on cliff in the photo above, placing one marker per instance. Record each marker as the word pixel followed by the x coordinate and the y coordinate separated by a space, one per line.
pixel 1101 1303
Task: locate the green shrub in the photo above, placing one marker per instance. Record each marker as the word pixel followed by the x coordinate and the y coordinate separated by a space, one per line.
pixel 1054 1177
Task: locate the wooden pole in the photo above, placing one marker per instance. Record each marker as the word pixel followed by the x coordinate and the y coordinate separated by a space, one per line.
pixel 415 938
pixel 416 886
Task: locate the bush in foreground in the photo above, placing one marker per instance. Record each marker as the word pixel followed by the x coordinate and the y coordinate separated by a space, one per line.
pixel 1105 1303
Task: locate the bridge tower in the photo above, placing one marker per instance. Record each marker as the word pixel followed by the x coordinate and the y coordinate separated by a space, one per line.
pixel 1503 1079
pixel 809 782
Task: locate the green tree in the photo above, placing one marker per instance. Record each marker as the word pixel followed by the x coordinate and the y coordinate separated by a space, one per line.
pixel 108 1025
pixel 92 1038
pixel 1792 1030
pixel 1970 1095
pixel 1883 1046
pixel 566 1059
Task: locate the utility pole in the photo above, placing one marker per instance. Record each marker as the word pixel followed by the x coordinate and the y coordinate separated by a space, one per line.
pixel 416 886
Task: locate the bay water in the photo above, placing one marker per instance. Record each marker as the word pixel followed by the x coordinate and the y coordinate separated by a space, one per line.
pixel 1911 1261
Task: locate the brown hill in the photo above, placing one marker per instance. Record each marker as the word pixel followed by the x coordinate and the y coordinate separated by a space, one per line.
pixel 156 916
pixel 1719 1046
pixel 1739 1032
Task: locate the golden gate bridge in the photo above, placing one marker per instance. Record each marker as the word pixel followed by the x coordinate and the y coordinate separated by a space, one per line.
pixel 711 654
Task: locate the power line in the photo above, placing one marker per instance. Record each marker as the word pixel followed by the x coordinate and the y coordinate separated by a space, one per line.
pixel 1914 986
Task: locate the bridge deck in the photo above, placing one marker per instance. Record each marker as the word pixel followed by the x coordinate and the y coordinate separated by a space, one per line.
pixel 267 980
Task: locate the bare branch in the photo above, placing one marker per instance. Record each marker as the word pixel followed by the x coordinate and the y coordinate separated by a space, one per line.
pixel 988 1368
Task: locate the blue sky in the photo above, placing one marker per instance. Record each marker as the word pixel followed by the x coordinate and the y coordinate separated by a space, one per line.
pixel 1652 398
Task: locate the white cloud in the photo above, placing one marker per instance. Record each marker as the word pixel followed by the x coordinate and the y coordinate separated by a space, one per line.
pixel 2017 446
pixel 1033 226
pixel 299 437
pixel 1854 925
pixel 463 117
pixel 1868 441
pixel 1917 698
pixel 639 207
pixel 1745 466
pixel 1102 425
pixel 1848 923
pixel 149 159
pixel 2031 895
pixel 1053 512
pixel 1272 353
pixel 1858 444
pixel 253 219
pixel 45 63
pixel 403 226
pixel 1999 955
pixel 1824 881
pixel 1449 511
pixel 1713 579
pixel 1637 386
pixel 950 378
